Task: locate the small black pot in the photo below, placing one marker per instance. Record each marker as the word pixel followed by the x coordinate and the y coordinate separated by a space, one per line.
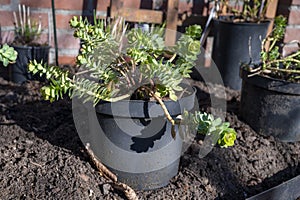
pixel 137 144
pixel 231 47
pixel 271 106
pixel 19 72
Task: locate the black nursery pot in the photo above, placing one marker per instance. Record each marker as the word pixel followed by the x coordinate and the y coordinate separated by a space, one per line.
pixel 231 47
pixel 139 147
pixel 271 106
pixel 19 72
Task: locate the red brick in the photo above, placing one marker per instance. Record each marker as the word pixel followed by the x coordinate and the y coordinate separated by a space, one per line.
pixel 34 17
pixel 294 17
pixel 6 18
pixel 4 2
pixel 67 41
pixel 132 3
pixel 292 34
pixel 184 7
pixel 66 60
pixel 69 5
pixel 59 4
pixel 62 21
pixel 102 5
pixel 44 39
pixel 36 3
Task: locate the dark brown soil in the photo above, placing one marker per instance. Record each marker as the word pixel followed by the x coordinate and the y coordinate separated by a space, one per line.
pixel 42 157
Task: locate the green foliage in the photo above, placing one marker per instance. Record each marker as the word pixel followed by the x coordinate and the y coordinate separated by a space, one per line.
pixel 273 63
pixel 251 11
pixel 206 124
pixel 193 31
pixel 60 83
pixel 7 55
pixel 116 62
pixel 142 59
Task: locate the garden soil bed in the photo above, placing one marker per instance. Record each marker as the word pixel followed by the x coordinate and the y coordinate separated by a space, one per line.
pixel 42 157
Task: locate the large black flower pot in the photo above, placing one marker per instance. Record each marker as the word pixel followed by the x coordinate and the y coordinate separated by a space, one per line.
pixel 271 106
pixel 231 47
pixel 136 141
pixel 19 72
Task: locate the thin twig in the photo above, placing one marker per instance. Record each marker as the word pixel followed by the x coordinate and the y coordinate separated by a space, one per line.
pixel 128 191
pixel 284 70
pixel 24 16
pixel 21 20
pixel 36 164
pixel 102 168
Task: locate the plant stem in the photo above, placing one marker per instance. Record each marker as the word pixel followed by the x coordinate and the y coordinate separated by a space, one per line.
pixel 82 72
pixel 284 70
pixel 162 104
pixel 268 65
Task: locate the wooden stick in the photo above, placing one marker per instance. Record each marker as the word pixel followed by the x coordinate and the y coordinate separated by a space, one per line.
pixel 102 168
pixel 24 16
pixel 128 191
pixel 15 19
pixel 21 20
pixel 28 17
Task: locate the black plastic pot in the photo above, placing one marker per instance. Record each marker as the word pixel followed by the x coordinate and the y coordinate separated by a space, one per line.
pixel 231 47
pixel 285 191
pixel 137 144
pixel 19 72
pixel 271 106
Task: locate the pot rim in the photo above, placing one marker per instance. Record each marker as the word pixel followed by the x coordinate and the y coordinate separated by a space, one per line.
pixel 260 23
pixel 269 83
pixel 146 109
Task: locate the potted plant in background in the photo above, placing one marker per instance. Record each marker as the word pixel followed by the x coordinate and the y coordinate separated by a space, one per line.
pixel 270 99
pixel 134 79
pixel 27 34
pixel 237 37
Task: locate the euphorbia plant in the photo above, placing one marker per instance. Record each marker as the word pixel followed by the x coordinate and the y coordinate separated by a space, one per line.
pixel 7 55
pixel 131 64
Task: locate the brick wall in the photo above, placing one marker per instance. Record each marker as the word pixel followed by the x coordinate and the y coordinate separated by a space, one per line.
pixel 65 9
pixel 290 9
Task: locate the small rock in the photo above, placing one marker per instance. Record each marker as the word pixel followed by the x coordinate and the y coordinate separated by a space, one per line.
pixel 91 192
pixel 205 181
pixel 106 188
pixel 208 188
pixel 30 142
pixel 84 177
